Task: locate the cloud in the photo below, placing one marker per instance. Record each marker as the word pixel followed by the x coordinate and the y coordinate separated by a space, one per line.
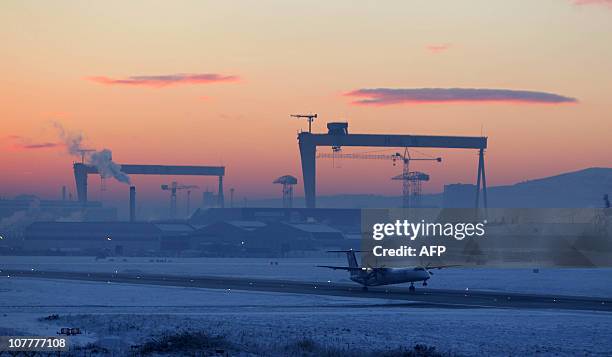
pixel 19 142
pixel 165 80
pixel 40 145
pixel 391 96
pixel 593 2
pixel 437 48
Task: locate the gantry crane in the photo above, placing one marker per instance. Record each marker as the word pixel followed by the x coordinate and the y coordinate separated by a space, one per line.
pixel 411 181
pixel 173 187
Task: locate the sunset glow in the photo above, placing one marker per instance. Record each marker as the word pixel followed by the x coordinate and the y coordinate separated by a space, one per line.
pixel 214 83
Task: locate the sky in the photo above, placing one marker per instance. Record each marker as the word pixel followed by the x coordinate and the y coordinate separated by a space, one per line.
pixel 214 83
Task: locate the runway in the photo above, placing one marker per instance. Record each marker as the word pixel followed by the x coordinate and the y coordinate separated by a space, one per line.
pixel 421 298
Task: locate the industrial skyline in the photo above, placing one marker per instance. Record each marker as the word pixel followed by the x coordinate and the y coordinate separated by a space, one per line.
pixel 215 84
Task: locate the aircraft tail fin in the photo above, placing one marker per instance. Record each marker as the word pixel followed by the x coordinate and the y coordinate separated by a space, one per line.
pixel 350 256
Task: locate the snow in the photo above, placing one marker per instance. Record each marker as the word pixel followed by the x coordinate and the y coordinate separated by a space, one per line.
pixel 117 316
pixel 582 282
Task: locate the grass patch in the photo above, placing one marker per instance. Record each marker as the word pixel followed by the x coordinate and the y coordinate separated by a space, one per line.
pixel 186 342
pixel 418 350
pixel 52 317
pixel 309 347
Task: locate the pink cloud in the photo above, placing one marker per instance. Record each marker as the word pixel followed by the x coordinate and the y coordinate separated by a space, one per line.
pixel 593 2
pixel 39 146
pixel 394 96
pixel 19 142
pixel 165 80
pixel 437 48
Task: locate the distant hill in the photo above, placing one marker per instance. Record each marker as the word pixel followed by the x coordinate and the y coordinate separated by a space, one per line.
pixel 583 188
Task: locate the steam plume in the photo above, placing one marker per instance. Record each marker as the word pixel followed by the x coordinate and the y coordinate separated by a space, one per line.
pixel 102 160
pixel 106 167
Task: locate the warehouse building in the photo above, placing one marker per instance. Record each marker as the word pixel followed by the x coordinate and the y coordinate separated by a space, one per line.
pixel 113 238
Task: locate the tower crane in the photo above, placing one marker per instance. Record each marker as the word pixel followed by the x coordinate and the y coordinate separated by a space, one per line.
pixel 309 117
pixel 173 187
pixel 411 180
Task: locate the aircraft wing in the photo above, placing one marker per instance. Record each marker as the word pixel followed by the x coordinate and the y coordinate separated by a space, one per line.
pixel 442 266
pixel 338 268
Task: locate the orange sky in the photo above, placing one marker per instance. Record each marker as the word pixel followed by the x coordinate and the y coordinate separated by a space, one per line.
pixel 287 57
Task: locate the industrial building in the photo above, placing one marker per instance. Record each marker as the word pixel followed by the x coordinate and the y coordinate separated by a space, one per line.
pixel 220 238
pixel 256 238
pixel 56 208
pixel 17 213
pixel 335 217
pixel 114 238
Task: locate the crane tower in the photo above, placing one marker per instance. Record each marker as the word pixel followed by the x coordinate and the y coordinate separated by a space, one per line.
pixel 309 117
pixel 288 182
pixel 411 181
pixel 173 187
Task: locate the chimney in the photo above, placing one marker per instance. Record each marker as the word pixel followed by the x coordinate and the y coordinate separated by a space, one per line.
pixel 132 203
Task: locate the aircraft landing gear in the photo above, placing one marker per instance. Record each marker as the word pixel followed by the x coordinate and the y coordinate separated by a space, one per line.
pixel 425 283
pixel 364 288
pixel 412 288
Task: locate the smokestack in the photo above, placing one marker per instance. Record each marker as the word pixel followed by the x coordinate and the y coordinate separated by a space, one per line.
pixel 132 203
pixel 63 193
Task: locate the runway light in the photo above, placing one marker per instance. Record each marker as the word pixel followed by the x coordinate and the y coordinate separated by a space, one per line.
pixel 109 238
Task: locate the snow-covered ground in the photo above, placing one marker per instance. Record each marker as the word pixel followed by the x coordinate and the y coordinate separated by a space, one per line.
pixel 585 282
pixel 118 316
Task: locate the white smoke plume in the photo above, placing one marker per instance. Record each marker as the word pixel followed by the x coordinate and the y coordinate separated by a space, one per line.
pixel 102 160
pixel 72 140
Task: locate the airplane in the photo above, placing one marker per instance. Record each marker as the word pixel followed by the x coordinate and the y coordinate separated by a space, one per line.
pixel 377 276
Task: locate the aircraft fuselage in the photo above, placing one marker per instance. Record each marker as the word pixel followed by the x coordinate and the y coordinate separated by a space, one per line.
pixel 387 276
